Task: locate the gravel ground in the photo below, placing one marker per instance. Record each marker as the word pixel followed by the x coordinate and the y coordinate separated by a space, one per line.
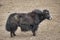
pixel 48 30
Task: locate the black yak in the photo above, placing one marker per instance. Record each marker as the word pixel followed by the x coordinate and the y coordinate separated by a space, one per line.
pixel 26 21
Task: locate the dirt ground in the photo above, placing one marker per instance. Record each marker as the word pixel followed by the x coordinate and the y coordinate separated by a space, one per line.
pixel 48 30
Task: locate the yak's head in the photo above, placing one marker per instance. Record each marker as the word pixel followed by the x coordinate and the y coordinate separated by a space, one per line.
pixel 42 14
pixel 46 14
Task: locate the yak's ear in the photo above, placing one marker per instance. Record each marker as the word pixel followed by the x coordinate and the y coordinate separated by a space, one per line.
pixel 45 11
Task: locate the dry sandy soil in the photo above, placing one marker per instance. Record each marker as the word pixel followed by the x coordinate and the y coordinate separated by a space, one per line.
pixel 48 30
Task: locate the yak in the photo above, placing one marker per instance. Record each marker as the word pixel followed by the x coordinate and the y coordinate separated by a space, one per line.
pixel 26 21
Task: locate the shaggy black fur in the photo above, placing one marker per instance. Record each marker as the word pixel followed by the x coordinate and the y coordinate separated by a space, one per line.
pixel 26 21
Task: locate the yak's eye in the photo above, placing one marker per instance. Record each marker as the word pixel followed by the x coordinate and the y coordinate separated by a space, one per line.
pixel 47 12
pixel 20 16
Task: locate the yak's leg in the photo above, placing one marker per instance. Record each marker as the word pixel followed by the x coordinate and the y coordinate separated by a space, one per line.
pixel 11 34
pixel 34 34
pixel 14 34
pixel 34 30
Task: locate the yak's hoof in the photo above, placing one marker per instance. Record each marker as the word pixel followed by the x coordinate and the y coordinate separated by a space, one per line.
pixel 34 35
pixel 14 34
